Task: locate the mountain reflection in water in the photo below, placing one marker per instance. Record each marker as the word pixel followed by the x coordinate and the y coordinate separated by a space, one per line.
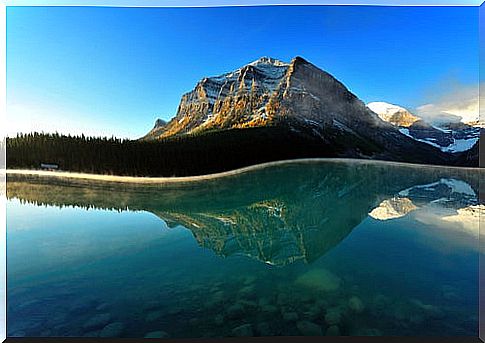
pixel 279 214
pixel 300 212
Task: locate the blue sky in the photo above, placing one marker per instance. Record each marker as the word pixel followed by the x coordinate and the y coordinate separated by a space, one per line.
pixel 113 71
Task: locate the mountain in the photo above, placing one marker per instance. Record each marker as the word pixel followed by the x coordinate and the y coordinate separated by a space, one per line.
pixel 393 114
pixel 453 137
pixel 290 102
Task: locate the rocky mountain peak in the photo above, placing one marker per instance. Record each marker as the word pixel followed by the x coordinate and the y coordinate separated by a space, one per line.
pixel 159 123
pixel 303 99
pixel 268 61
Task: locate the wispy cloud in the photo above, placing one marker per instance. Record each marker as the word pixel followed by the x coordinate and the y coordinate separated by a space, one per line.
pixel 458 103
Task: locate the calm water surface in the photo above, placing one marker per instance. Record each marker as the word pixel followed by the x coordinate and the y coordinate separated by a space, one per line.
pixel 299 249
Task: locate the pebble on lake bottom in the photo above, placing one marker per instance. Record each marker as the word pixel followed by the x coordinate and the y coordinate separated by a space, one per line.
pixel 307 328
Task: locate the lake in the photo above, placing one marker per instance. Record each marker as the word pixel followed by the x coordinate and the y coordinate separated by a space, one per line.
pixel 303 248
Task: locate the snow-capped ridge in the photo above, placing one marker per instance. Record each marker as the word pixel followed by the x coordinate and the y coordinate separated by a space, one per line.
pixel 393 114
pixel 384 107
pixel 268 60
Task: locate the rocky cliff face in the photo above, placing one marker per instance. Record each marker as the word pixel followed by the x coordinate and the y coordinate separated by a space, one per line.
pixel 302 98
pixel 265 92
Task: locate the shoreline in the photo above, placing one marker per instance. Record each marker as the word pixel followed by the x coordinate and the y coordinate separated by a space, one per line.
pixel 175 179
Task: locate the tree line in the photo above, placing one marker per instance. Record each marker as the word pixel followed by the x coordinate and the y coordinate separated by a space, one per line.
pixel 176 156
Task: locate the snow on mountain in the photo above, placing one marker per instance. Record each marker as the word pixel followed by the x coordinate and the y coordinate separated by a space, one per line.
pixel 446 201
pixel 393 114
pixel 394 208
pixel 450 138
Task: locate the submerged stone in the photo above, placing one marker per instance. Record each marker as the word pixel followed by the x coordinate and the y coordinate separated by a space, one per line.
pixel 356 305
pixel 245 330
pixel 319 279
pixel 247 290
pixel 333 317
pixel 235 311
pixel 307 328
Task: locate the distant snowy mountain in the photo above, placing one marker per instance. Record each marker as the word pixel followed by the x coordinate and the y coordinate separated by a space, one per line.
pixel 450 200
pixel 393 114
pixel 450 137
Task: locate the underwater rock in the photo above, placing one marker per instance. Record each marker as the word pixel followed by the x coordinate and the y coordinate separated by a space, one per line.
pixel 244 330
pixel 333 331
pixel 290 316
pixel 307 328
pixel 333 316
pixel 430 311
pixel 314 312
pixel 356 305
pixel 235 311
pixel 247 290
pixel 97 321
pixel 157 334
pixel 112 330
pixel 319 279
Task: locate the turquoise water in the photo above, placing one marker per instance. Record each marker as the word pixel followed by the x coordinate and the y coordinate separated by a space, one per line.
pixel 298 249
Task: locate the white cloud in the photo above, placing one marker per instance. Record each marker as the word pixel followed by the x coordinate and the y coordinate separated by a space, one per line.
pixel 459 103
